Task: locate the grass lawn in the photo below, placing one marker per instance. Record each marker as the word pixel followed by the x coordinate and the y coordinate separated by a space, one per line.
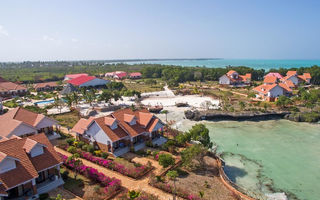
pixel 67 119
pixel 140 86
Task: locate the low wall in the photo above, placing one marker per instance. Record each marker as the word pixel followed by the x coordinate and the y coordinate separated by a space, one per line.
pixel 229 184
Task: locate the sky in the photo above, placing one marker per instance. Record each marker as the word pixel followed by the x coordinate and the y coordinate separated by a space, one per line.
pixel 145 29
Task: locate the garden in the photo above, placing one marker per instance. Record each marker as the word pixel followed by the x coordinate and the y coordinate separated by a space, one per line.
pixel 120 165
pixel 84 181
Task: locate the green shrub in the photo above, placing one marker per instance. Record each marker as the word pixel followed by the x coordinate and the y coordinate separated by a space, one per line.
pixel 43 196
pixel 80 144
pixel 72 149
pixel 155 153
pixel 84 147
pixel 149 144
pixel 90 148
pixel 104 155
pixel 65 175
pixel 97 153
pixel 165 160
pixel 70 141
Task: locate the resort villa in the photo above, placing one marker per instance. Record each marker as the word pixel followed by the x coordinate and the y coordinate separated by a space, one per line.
pixel 73 76
pixel 88 81
pixel 28 167
pixel 275 85
pixel 48 86
pixel 232 78
pixel 116 74
pixel 135 75
pixel 10 89
pixel 21 122
pixel 121 130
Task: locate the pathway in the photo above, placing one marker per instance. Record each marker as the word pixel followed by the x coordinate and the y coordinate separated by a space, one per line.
pixel 131 184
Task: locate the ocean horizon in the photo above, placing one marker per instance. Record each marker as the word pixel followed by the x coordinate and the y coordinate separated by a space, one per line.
pixel 265 64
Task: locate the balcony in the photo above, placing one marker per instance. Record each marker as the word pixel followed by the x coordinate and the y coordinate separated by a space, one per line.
pixel 49 185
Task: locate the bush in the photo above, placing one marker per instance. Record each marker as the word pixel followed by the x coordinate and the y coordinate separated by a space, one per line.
pixel 90 148
pixel 72 149
pixel 154 154
pixel 165 160
pixel 104 155
pixel 84 147
pixel 80 144
pixel 70 141
pixel 149 144
pixel 43 196
pixel 65 175
pixel 97 153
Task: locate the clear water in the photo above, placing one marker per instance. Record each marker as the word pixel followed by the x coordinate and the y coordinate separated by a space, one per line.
pixel 44 102
pixel 271 156
pixel 254 63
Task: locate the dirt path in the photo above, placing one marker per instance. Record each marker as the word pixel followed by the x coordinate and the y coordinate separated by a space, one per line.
pixel 127 182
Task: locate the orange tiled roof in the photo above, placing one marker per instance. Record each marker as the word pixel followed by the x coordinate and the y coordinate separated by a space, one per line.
pixel 109 120
pixel 231 72
pixel 289 83
pixel 270 79
pixel 264 88
pixel 285 86
pixel 115 134
pixel 290 73
pixel 8 86
pixel 307 75
pixel 128 118
pixel 47 84
pixel 26 167
pixel 82 125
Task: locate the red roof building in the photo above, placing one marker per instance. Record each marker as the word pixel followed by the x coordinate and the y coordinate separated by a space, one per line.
pixel 135 75
pixel 233 78
pixel 120 130
pixel 73 76
pixel 28 167
pixel 88 81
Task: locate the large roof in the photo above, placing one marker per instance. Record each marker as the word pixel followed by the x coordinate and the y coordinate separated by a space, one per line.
pixel 19 116
pixel 46 84
pixel 72 76
pixel 145 122
pixel 264 88
pixel 81 80
pixel 6 86
pixel 270 79
pixel 27 167
pixel 275 74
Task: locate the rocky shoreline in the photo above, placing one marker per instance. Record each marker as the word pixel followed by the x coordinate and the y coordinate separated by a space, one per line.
pixel 216 115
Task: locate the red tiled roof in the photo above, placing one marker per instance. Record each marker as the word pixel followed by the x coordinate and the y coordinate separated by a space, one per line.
pixel 109 120
pixel 264 88
pixel 81 80
pixel 307 75
pixel 135 74
pixel 290 73
pixel 231 72
pixel 121 74
pixel 115 134
pixel 286 87
pixel 275 74
pixel 8 86
pixel 26 167
pixel 82 125
pixel 289 83
pixel 270 79
pixel 72 76
pixel 128 118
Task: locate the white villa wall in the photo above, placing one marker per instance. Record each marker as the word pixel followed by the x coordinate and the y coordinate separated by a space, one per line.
pixel 224 80
pixel 23 129
pixel 98 134
pixel 94 82
pixel 36 151
pixel 7 164
pixel 294 80
pixel 275 92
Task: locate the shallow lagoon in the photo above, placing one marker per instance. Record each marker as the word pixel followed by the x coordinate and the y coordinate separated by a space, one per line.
pixel 271 155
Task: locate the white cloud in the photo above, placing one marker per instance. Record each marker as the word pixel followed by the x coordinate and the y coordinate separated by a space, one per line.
pixel 3 31
pixel 74 40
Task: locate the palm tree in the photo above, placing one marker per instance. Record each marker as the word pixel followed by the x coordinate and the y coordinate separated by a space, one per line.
pixel 166 113
pixel 75 98
pixel 58 103
pixel 172 175
pixel 69 100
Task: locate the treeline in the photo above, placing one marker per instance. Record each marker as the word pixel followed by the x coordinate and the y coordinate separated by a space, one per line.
pixel 33 73
pixel 176 74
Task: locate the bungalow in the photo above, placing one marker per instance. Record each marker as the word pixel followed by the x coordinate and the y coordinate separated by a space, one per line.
pixel 73 76
pixel 121 130
pixel 116 74
pixel 233 78
pixel 10 89
pixel 135 75
pixel 28 167
pixel 48 86
pixel 270 92
pixel 296 79
pixel 88 81
pixel 21 122
pixel 270 80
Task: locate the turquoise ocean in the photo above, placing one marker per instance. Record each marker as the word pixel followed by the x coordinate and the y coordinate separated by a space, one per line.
pixel 254 63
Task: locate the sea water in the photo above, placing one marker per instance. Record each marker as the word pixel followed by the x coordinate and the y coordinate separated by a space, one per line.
pixel 253 63
pixel 271 156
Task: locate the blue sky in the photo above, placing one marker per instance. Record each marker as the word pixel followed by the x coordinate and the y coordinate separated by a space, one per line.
pixel 128 29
